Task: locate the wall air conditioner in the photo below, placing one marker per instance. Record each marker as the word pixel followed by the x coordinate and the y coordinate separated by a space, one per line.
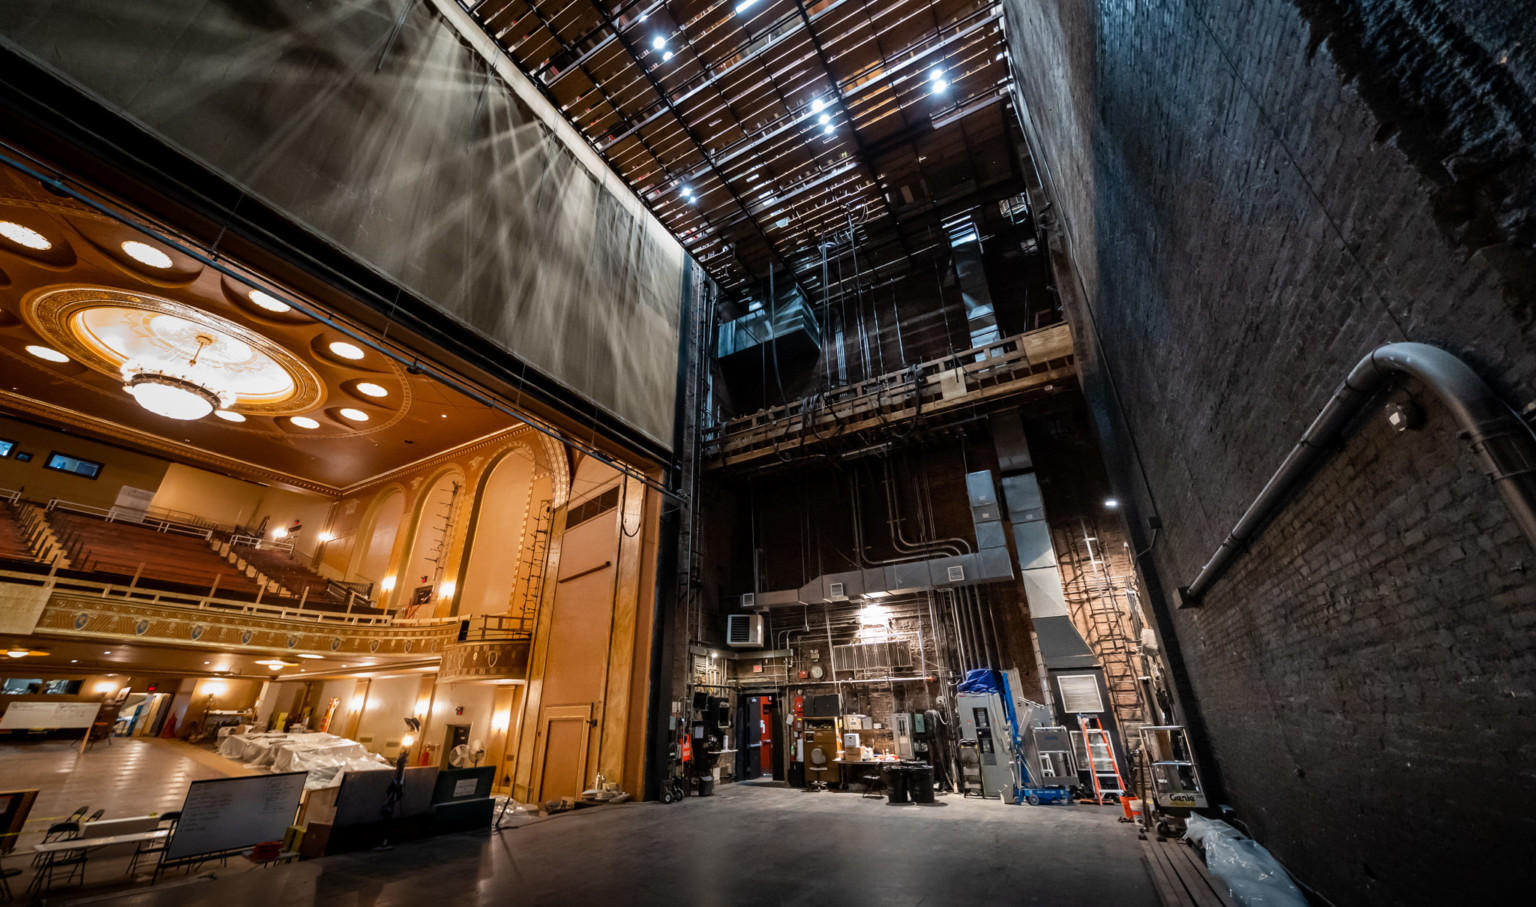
pixel 744 631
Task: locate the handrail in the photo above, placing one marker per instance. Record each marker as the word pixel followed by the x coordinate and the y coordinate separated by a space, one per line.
pixel 76 585
pixel 260 543
pixel 131 515
pixel 10 495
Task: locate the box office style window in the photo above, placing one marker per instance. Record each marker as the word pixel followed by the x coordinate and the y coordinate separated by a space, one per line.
pixel 6 447
pixel 75 466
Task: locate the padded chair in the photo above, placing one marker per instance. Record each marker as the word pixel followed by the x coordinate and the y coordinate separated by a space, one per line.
pixel 818 764
pixel 152 848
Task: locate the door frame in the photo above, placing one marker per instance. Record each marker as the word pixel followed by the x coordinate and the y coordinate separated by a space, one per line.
pixel 582 713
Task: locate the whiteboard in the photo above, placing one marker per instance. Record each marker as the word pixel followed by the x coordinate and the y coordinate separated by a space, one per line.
pixel 230 813
pixel 21 716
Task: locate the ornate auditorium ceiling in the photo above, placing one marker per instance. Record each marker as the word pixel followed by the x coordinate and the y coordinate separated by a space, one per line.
pixel 102 329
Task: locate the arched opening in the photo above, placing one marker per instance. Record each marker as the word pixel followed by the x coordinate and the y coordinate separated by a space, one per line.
pixel 376 542
pixel 421 581
pixel 499 544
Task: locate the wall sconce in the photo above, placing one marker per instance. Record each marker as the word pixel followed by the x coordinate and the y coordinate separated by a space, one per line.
pixel 106 688
pixel 215 688
pixel 326 537
pixel 500 721
pixel 279 533
pixel 357 703
pixel 407 740
pixel 447 589
pixel 387 584
pixel 422 707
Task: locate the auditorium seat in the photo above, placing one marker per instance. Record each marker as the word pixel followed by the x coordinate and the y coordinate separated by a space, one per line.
pixel 124 549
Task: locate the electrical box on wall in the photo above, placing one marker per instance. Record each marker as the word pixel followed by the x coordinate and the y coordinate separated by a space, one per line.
pixel 744 631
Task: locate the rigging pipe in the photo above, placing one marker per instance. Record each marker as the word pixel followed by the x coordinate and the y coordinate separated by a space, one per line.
pixel 1500 440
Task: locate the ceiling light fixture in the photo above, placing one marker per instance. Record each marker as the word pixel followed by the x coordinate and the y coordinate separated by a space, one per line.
pixel 824 118
pixel 304 422
pixel 19 653
pixel 828 129
pixel 356 415
pixel 818 105
pixel 745 5
pixel 372 390
pixel 43 352
pixel 176 390
pixel 307 655
pixel 146 254
pixel 658 42
pixel 229 415
pixel 666 56
pixel 268 302
pixel 940 86
pixel 24 236
pixel 347 350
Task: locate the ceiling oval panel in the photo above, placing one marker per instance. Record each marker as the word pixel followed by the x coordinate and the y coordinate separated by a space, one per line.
pixel 266 305
pixel 33 236
pixel 142 257
pixel 103 328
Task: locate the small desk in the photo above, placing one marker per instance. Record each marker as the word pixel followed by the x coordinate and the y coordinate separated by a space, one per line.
pixel 104 841
pixel 90 844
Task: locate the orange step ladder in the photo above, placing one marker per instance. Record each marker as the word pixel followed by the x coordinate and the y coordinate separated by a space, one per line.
pixel 1097 745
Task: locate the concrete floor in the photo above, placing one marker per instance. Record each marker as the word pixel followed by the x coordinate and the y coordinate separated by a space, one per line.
pixel 748 845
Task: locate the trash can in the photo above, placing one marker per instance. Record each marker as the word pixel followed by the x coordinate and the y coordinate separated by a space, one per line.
pixel 920 782
pixel 896 777
pixel 706 786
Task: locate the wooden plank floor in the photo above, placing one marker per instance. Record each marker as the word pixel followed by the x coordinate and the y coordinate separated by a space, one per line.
pixel 1180 876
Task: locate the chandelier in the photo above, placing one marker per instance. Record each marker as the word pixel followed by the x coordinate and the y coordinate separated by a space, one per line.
pixel 175 389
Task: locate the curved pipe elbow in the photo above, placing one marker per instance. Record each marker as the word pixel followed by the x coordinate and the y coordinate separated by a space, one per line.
pixel 1501 441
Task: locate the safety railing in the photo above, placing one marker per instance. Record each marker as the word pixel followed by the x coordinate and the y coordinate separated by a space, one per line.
pixel 133 515
pixel 72 582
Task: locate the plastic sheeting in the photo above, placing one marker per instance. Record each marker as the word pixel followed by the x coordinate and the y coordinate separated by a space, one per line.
pixel 326 757
pixel 1255 877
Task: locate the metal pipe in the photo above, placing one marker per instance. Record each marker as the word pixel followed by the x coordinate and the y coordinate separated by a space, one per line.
pixel 1499 439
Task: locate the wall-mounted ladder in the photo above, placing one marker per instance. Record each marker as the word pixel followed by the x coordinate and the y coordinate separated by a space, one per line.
pixel 536 555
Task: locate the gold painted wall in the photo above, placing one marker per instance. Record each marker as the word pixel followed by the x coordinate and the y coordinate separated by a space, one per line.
pixel 122 467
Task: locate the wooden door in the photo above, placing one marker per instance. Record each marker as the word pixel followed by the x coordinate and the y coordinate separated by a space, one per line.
pixel 562 751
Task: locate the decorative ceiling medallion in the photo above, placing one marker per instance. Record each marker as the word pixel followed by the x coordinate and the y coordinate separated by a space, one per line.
pixel 105 328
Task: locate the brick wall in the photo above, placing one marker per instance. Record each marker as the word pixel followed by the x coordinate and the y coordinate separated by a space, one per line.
pixel 1251 196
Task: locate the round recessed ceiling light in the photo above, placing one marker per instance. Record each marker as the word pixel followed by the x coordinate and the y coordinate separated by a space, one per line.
pixel 347 350
pixel 304 422
pixel 817 105
pixel 43 352
pixel 372 390
pixel 356 415
pixel 146 254
pixel 24 236
pixel 229 415
pixel 268 302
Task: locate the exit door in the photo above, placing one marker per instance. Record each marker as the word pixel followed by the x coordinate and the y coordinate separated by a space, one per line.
pixel 761 738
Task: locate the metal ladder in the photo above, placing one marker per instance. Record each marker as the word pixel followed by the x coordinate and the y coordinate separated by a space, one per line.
pixel 1097 745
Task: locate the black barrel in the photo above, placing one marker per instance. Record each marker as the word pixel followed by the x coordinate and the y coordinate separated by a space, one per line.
pixel 706 786
pixel 920 782
pixel 896 777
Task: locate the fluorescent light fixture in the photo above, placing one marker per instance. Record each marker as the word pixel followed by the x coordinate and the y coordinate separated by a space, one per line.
pixel 43 352
pixel 24 236
pixel 304 422
pixel 229 415
pixel 371 390
pixel 658 42
pixel 269 302
pixel 146 254
pixel 347 350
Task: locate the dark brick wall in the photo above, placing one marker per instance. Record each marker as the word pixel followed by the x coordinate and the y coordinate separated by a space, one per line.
pixel 1251 195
